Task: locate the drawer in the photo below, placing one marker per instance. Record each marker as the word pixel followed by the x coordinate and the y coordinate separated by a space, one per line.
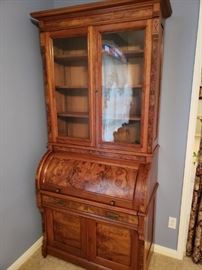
pixel 89 209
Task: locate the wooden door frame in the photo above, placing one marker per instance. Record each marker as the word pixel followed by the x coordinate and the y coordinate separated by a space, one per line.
pixel 145 25
pixel 186 198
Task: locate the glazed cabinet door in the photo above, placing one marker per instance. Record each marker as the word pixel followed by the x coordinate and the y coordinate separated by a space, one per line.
pixel 124 55
pixel 66 232
pixel 113 246
pixel 69 88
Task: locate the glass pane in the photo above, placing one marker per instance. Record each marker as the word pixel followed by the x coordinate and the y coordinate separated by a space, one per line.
pixel 122 78
pixel 71 86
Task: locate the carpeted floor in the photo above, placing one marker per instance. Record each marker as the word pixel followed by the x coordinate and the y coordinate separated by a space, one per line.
pixel 158 262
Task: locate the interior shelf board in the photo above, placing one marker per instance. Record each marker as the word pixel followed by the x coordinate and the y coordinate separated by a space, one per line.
pixel 73 114
pixel 127 53
pixel 131 53
pixel 121 117
pixel 136 118
pixel 70 58
pixel 65 87
pixel 137 86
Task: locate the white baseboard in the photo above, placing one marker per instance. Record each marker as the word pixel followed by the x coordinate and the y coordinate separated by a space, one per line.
pixel 28 253
pixel 168 252
pixel 25 256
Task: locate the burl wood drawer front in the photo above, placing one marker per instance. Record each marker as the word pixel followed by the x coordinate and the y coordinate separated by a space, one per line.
pixel 86 208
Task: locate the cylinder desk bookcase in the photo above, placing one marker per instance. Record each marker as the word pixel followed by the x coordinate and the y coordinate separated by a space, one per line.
pixel 97 183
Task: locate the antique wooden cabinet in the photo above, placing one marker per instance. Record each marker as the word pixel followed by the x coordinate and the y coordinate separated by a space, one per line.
pixel 97 183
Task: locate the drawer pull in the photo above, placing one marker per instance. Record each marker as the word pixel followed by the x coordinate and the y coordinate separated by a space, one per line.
pixel 112 215
pixel 60 202
pixel 112 203
pixel 57 190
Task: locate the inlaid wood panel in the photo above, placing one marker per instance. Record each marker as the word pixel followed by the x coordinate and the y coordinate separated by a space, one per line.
pixel 113 243
pixel 65 231
pixel 61 222
pixel 93 177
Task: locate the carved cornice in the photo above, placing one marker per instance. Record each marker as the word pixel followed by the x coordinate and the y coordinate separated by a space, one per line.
pixel 166 8
pixel 103 5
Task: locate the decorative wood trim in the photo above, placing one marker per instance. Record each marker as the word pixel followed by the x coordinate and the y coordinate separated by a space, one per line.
pixel 155 86
pixel 141 256
pixel 166 8
pixel 46 14
pixel 105 153
pixel 156 27
pixel 147 83
pixel 45 76
pixel 89 202
pixel 99 18
pixel 39 171
pixel 44 242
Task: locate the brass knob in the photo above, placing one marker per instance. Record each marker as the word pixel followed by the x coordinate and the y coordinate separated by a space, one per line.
pixel 112 215
pixel 57 190
pixel 112 203
pixel 60 202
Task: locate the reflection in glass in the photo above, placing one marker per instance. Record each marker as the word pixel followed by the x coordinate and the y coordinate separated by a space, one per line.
pixel 122 69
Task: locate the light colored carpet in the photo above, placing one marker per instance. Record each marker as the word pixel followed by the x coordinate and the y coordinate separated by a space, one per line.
pixel 158 262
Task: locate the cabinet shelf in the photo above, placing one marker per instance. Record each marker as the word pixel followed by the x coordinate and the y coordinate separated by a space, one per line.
pixel 65 59
pixel 83 56
pixel 85 88
pixel 133 87
pixel 70 88
pixel 127 53
pixel 73 114
pixel 121 117
pixel 131 53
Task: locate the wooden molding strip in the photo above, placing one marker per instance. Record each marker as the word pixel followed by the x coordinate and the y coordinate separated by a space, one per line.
pixel 44 15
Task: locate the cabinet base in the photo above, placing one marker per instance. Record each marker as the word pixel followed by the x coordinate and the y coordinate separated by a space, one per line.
pixel 85 263
pixel 75 260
